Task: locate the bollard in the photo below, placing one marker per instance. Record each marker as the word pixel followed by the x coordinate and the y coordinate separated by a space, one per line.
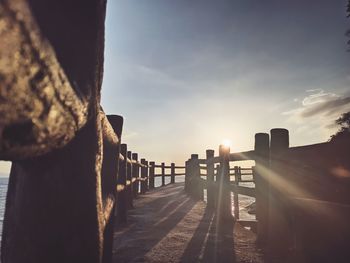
pixel 163 174
pixel 278 235
pixel 122 201
pixel 172 173
pixel 261 179
pixel 235 193
pixel 143 176
pixel 151 175
pixel 210 180
pixel 129 178
pixel 224 209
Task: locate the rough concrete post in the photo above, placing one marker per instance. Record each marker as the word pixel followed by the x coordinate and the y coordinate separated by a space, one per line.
pixel 135 175
pixel 143 176
pixel 261 178
pixel 130 189
pixel 52 130
pixel 224 192
pixel 109 181
pixel 210 180
pixel 147 176
pixel 193 174
pixel 279 236
pixel 216 183
pixel 172 173
pixel 163 173
pixel 151 175
pixel 122 201
pixel 198 182
pixel 187 175
pixel 235 194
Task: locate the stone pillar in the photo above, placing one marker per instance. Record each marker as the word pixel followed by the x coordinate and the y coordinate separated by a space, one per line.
pixel 224 189
pixel 210 180
pixel 261 177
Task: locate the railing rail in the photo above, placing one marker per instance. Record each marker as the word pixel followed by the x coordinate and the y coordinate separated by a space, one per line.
pixel 284 181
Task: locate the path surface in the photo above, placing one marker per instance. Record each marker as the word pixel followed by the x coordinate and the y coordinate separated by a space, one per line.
pixel 168 226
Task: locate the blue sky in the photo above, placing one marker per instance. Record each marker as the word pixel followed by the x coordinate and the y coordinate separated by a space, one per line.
pixel 186 74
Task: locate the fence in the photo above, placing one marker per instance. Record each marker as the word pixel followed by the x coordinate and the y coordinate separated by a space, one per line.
pixel 300 193
pixel 137 177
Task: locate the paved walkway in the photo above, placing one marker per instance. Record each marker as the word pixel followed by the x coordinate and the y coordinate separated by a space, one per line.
pixel 168 226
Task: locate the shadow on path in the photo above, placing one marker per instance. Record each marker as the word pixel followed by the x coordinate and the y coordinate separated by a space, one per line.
pixel 211 242
pixel 154 216
pixel 168 226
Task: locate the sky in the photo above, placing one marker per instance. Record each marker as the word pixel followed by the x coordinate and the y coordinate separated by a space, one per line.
pixel 186 74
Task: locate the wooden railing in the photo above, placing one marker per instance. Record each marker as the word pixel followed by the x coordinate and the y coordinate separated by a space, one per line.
pixel 137 177
pixel 286 182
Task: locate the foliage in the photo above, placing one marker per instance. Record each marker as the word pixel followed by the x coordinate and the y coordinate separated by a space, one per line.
pixel 344 131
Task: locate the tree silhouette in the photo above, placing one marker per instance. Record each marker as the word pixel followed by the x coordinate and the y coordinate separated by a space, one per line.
pixel 344 131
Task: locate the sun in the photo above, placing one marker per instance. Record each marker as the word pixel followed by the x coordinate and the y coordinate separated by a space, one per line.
pixel 226 143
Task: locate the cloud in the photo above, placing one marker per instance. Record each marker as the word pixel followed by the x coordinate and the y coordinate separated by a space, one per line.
pixel 331 107
pixel 320 107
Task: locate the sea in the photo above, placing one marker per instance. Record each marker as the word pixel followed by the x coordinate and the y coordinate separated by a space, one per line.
pixel 3 190
pixel 244 201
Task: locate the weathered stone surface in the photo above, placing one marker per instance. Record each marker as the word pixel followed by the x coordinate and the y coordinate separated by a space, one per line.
pixel 51 127
pixel 54 208
pixel 39 109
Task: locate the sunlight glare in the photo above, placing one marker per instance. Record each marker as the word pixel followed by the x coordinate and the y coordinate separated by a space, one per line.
pixel 226 143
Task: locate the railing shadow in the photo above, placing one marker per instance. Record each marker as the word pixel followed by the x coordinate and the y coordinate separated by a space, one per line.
pixel 150 224
pixel 212 241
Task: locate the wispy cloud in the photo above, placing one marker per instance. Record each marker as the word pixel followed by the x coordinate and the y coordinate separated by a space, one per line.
pixel 320 107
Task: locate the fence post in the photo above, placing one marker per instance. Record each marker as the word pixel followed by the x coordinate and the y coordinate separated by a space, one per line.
pixel 224 191
pixel 122 195
pixel 260 175
pixel 191 174
pixel 210 180
pixel 109 181
pixel 199 182
pixel 151 175
pixel 135 174
pixel 129 178
pixel 216 184
pixel 147 176
pixel 217 174
pixel 196 185
pixel 235 193
pixel 279 235
pixel 143 176
pixel 187 176
pixel 163 174
pixel 172 172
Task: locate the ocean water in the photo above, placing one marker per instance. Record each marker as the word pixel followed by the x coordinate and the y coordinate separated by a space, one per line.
pixel 3 191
